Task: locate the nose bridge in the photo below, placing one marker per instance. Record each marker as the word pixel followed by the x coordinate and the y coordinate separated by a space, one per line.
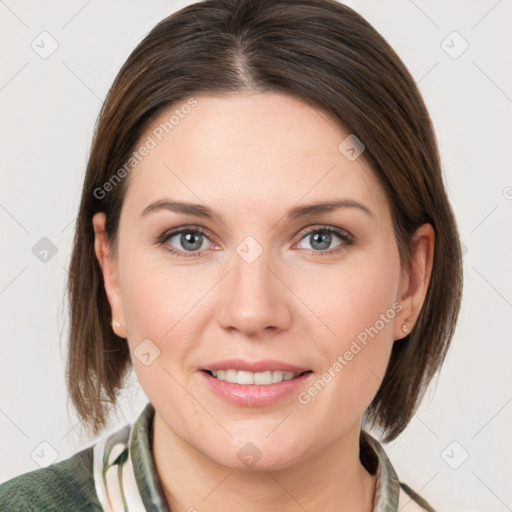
pixel 251 269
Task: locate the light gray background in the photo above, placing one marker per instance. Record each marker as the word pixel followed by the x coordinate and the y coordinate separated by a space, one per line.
pixel 48 109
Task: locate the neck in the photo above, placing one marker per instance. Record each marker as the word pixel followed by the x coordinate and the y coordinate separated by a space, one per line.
pixel 333 479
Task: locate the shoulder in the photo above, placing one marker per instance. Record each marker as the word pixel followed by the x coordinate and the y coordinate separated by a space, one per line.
pixel 410 501
pixel 63 486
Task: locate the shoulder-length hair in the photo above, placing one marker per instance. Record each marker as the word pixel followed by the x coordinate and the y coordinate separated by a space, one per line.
pixel 327 55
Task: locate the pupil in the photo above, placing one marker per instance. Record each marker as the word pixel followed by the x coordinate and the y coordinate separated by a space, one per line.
pixel 324 238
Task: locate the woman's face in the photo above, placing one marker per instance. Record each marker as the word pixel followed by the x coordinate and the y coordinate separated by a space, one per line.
pixel 262 277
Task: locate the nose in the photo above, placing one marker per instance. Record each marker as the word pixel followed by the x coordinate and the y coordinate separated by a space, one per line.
pixel 256 298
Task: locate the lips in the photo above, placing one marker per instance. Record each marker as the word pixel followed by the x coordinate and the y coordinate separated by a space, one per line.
pixel 255 366
pixel 254 395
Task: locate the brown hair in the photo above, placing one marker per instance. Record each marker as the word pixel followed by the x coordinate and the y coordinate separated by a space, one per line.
pixel 329 56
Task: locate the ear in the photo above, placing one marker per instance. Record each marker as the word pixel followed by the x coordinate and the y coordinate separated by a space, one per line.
pixel 415 280
pixel 110 274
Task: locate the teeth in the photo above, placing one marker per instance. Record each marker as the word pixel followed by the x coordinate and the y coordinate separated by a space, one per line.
pixel 260 378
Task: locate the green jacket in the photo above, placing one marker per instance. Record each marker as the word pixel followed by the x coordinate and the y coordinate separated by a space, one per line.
pixel 120 466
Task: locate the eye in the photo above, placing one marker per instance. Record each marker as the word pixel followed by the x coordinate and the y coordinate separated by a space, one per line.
pixel 191 242
pixel 321 238
pixel 183 241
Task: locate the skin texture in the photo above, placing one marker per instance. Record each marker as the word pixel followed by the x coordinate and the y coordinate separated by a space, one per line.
pixel 251 158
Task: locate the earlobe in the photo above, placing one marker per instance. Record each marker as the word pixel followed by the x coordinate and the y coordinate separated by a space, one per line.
pixel 110 274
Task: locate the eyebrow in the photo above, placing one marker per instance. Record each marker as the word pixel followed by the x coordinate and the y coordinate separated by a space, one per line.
pixel 199 210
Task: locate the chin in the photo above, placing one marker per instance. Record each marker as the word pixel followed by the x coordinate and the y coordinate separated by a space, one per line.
pixel 254 456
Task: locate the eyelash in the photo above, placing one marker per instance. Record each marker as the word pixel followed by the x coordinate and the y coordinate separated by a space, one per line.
pixel 345 237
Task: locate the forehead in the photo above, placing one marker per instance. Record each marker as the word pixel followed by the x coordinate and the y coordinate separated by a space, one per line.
pixel 246 149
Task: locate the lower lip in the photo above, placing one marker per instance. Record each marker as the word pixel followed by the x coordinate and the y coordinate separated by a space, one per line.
pixel 254 395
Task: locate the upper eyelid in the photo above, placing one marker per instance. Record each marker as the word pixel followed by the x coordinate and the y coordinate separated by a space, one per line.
pixel 320 227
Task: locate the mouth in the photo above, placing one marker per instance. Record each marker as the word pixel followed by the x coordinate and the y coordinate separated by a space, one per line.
pixel 263 387
pixel 254 383
pixel 263 378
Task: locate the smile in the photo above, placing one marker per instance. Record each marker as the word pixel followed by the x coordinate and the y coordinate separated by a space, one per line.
pixel 254 389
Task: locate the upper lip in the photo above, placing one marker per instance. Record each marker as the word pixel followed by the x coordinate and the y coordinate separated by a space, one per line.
pixel 254 366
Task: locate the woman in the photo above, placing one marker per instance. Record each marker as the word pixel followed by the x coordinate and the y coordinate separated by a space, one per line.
pixel 264 235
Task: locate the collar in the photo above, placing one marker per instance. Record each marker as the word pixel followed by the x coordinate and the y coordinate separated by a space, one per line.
pixel 126 480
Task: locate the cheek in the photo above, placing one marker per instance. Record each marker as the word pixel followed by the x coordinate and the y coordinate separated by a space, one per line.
pixel 155 295
pixel 162 304
pixel 359 307
pixel 355 297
